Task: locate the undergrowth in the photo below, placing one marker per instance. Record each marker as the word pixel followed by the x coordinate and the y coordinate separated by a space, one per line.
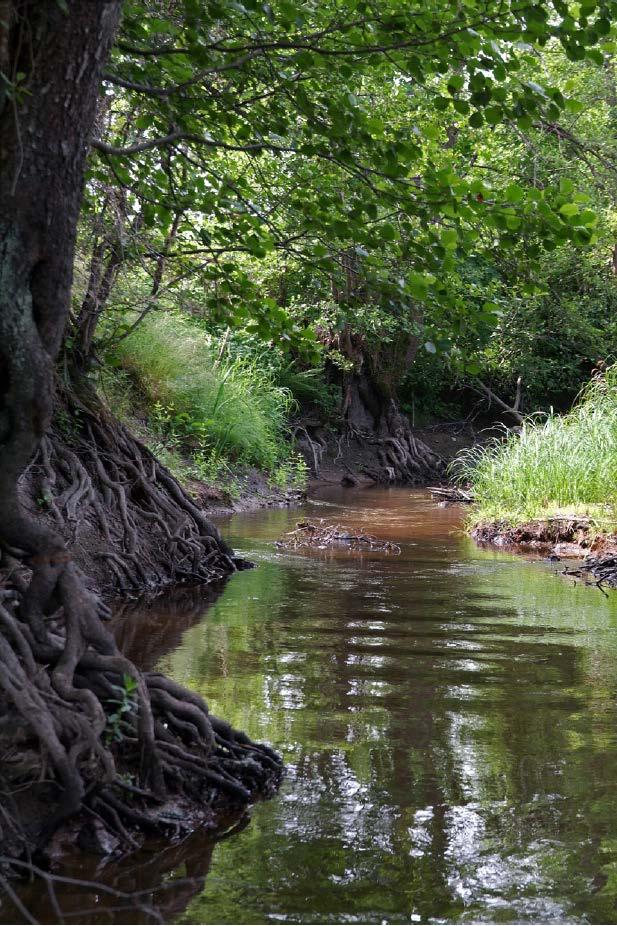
pixel 558 464
pixel 205 416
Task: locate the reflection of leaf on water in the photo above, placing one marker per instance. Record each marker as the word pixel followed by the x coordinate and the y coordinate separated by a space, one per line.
pixel 603 884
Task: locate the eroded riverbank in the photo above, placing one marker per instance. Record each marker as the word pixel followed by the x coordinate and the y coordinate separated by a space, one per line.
pixel 558 538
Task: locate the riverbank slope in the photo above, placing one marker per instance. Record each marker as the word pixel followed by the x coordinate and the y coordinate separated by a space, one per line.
pixel 551 485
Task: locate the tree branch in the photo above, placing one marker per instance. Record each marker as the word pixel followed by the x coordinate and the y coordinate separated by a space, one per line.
pixel 483 389
pixel 176 136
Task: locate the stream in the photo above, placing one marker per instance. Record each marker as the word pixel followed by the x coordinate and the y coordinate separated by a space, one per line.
pixel 448 718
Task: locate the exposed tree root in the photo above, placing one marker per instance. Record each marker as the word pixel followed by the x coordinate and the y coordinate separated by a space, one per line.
pixel 390 453
pixel 128 520
pixel 404 457
pixel 399 456
pixel 97 735
pixel 82 730
pixel 373 417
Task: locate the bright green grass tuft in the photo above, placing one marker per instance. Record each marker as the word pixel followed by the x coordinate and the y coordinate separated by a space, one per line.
pixel 231 409
pixel 562 465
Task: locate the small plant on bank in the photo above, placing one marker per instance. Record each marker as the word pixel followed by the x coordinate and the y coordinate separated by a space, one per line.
pixel 125 704
pixel 232 408
pixel 560 465
pixel 206 419
pixel 292 473
pixel 169 455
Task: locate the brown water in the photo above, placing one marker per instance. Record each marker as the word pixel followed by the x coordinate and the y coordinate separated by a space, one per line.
pixel 448 717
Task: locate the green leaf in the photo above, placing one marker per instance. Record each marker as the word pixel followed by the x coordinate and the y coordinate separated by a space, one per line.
pixel 431 131
pixel 449 238
pixel 514 193
pixel 493 114
pixel 574 106
pixel 388 232
pixel 415 278
pixel 566 186
pixel 461 106
pixel 588 217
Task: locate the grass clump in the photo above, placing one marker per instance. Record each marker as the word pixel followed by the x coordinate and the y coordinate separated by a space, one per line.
pixel 229 410
pixel 559 465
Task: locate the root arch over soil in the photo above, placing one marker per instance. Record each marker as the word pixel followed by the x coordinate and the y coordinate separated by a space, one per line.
pixel 376 419
pixel 376 440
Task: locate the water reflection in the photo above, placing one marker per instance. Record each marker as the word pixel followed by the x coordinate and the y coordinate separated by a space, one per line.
pixel 146 630
pixel 448 718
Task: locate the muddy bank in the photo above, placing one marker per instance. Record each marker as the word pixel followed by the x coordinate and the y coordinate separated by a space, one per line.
pixel 558 539
pixel 332 460
pixel 251 490
pixel 355 461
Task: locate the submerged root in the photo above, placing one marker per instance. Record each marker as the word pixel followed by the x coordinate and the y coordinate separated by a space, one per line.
pixel 452 494
pixel 98 736
pixel 599 570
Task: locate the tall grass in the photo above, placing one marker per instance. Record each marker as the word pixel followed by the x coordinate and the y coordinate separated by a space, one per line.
pixel 232 409
pixel 561 464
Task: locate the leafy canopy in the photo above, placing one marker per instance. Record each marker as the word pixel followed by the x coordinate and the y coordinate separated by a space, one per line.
pixel 317 129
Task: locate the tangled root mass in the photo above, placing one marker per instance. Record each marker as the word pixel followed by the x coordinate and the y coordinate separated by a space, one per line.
pixel 82 730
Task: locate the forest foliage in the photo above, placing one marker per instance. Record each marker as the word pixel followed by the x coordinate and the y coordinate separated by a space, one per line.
pixel 291 183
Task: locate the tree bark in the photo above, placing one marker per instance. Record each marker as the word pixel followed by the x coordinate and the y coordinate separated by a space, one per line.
pixel 371 413
pixel 44 142
pixel 372 417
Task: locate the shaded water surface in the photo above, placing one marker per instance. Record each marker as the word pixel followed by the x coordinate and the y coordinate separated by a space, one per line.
pixel 448 717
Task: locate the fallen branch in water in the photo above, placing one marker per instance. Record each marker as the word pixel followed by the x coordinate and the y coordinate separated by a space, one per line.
pixel 451 494
pixel 602 570
pixel 321 535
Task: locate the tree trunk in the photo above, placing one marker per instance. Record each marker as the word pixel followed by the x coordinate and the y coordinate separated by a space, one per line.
pixel 371 414
pixel 61 674
pixel 372 417
pixel 42 157
pixel 108 255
